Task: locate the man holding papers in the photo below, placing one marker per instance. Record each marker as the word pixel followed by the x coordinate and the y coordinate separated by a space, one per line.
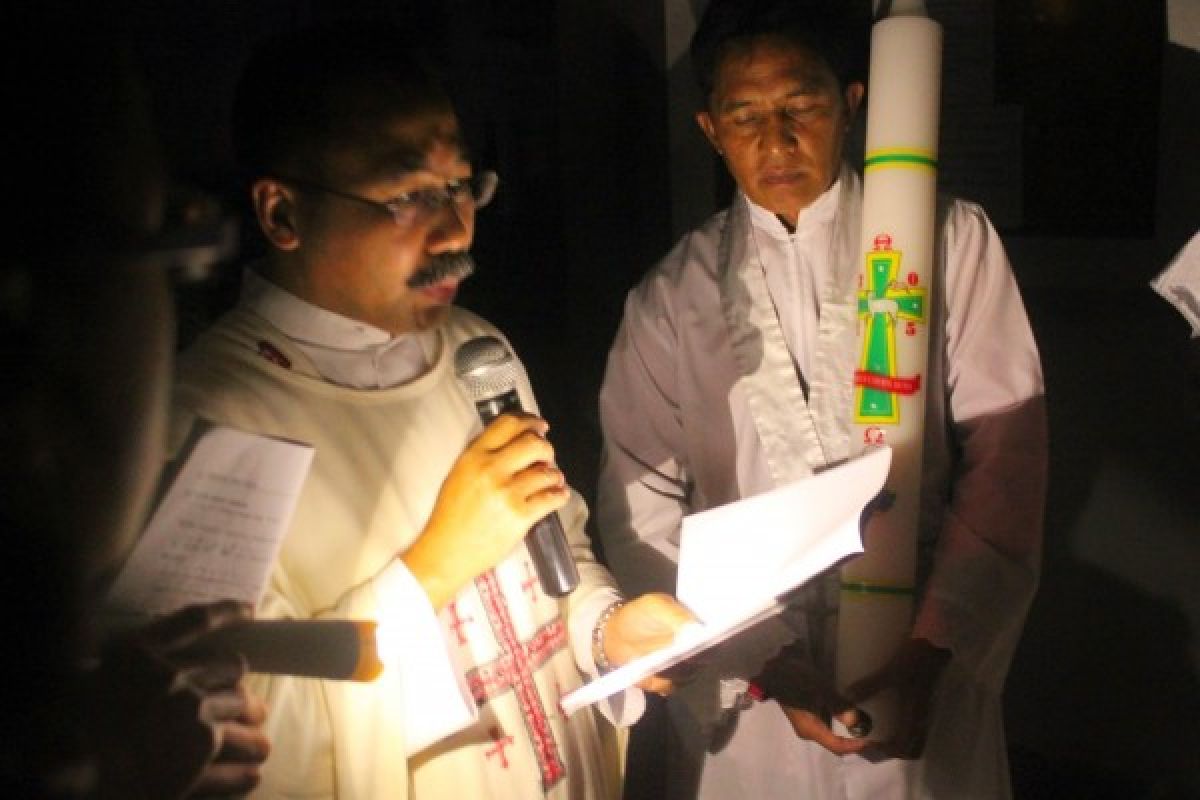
pixel 345 338
pixel 781 86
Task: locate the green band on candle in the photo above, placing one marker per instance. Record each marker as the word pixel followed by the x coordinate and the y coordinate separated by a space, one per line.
pixel 900 158
pixel 859 587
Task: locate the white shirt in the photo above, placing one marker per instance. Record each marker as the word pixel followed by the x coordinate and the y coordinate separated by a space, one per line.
pixel 794 274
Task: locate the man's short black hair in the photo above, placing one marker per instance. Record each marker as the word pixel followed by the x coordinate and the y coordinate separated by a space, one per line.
pixel 307 93
pixel 835 30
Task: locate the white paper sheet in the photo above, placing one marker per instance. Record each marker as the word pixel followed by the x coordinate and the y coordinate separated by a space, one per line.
pixel 217 529
pixel 735 560
pixel 1179 283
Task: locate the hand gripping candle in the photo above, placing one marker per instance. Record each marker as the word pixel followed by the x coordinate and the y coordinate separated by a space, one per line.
pixel 899 194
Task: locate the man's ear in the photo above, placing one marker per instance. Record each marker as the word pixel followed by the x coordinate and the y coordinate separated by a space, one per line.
pixel 704 120
pixel 853 96
pixel 275 208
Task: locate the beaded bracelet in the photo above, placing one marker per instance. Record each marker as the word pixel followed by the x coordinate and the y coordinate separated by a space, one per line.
pixel 598 636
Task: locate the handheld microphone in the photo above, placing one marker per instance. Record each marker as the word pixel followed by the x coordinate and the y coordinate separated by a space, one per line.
pixel 489 374
pixel 332 649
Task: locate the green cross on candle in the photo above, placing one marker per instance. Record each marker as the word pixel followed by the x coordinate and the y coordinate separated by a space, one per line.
pixel 881 306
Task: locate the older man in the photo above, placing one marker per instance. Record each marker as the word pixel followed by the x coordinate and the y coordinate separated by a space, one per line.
pixel 781 90
pixel 344 338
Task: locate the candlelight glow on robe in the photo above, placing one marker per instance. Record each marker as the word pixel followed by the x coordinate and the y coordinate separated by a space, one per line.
pixel 899 195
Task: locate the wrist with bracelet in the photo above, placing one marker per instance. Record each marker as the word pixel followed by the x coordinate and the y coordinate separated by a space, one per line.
pixel 598 654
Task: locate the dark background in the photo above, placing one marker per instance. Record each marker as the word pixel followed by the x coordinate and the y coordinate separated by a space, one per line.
pixel 583 107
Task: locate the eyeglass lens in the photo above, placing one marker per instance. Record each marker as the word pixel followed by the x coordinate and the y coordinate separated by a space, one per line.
pixel 477 189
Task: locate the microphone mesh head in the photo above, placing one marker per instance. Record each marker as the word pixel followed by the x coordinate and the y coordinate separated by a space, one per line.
pixel 485 367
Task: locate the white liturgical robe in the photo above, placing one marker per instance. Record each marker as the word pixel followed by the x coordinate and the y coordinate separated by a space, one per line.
pixel 468 704
pixel 678 411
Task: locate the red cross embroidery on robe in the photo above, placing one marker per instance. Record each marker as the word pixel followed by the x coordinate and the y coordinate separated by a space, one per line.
pixel 497 750
pixel 513 670
pixel 530 584
pixel 457 622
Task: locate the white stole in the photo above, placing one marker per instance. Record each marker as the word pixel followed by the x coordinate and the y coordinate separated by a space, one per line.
pixel 799 436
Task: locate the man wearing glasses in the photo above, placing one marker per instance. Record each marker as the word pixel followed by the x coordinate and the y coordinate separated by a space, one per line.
pixel 343 338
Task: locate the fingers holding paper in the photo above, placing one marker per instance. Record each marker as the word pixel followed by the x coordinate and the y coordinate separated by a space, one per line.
pixel 641 626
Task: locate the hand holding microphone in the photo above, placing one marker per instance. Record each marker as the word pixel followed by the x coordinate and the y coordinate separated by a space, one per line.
pixel 501 486
pixel 489 374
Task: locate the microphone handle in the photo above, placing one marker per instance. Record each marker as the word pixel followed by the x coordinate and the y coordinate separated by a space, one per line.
pixel 546 540
pixel 551 557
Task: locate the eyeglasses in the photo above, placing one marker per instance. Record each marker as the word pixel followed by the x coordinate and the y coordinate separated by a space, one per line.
pixel 420 204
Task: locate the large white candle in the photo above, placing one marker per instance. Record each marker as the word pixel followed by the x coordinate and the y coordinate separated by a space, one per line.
pixel 899 193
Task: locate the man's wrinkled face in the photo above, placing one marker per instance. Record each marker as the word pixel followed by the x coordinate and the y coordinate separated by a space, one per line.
pixel 357 259
pixel 779 119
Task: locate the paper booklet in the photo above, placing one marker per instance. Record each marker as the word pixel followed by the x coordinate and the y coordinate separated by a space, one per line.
pixel 736 560
pixel 217 529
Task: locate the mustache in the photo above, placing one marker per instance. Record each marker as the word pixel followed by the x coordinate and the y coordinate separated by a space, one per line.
pixel 442 266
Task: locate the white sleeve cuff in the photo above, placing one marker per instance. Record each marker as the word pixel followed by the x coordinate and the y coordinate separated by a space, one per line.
pixel 437 701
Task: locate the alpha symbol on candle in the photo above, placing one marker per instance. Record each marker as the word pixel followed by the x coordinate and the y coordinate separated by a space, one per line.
pixel 881 306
